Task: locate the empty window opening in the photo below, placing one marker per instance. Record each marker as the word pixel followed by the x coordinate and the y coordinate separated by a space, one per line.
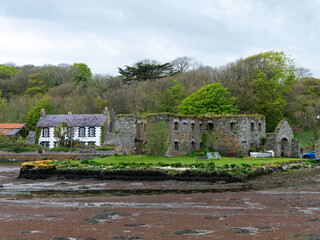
pixel 193 146
pixel 176 125
pixel 232 125
pixel 176 145
pixel 192 126
pixel 260 127
pixel 252 126
pixel 210 126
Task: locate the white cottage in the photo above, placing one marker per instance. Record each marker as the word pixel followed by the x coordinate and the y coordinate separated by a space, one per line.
pixel 86 128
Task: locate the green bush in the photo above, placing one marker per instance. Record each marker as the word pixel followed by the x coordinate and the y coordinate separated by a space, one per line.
pixel 6 144
pixel 74 164
pixel 85 161
pixel 200 165
pixel 245 165
pixel 232 165
pixel 104 148
pixel 211 164
pixel 312 161
pixel 178 164
pixel 157 138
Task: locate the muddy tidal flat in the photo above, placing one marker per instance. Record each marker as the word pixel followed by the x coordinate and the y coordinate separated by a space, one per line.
pixel 275 206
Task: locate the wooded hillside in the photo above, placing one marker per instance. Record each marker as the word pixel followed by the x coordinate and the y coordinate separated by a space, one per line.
pixel 267 83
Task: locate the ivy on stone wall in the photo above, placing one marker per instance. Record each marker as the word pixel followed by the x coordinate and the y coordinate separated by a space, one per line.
pixel 207 140
pixel 103 133
pixel 157 138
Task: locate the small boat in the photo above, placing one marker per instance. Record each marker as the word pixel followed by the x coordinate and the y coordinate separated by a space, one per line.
pixel 267 154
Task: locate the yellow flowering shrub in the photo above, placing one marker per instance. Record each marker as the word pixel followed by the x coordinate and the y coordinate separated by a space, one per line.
pixel 43 164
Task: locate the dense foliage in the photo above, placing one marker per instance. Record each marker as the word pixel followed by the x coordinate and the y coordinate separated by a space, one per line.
pixel 266 83
pixel 157 138
pixel 209 99
pixel 144 70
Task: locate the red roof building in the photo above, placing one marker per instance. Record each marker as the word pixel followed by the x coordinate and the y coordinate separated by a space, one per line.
pixel 11 129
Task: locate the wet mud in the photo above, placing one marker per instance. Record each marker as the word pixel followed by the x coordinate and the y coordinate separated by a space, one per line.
pixel 274 206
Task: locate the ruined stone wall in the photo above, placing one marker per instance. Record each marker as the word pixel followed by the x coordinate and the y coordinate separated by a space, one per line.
pixel 295 149
pixel 282 141
pixel 233 133
pixel 125 135
pixel 184 135
pixel 238 133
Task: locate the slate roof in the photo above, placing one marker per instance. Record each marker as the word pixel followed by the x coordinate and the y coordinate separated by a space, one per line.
pixel 73 120
pixel 10 129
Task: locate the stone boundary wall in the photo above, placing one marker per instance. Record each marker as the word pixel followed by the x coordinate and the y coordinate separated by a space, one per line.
pixel 32 156
pixel 131 175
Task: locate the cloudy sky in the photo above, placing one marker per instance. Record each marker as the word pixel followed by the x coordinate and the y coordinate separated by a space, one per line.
pixel 107 34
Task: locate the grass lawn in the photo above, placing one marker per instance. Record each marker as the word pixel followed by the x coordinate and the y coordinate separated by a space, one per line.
pixel 186 160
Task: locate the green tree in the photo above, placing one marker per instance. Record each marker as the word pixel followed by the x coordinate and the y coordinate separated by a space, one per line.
pixel 146 70
pixel 307 111
pixel 36 85
pixel 261 83
pixel 7 72
pixel 209 99
pixel 99 104
pixel 269 100
pixel 173 97
pixel 34 112
pixel 60 133
pixel 272 77
pixel 81 71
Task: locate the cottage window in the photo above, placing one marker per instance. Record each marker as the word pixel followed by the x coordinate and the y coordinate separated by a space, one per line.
pixel 82 132
pixel 92 132
pixel 70 132
pixel 45 144
pixel 45 132
pixel 91 143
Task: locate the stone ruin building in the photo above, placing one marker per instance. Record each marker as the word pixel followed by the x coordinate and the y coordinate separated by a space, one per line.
pixel 228 133
pixel 282 141
pixel 224 133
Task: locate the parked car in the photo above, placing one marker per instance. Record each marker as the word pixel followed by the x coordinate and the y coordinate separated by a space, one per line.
pixel 309 155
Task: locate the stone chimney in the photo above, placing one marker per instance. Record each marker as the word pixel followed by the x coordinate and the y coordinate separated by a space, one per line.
pixel 69 113
pixel 105 111
pixel 42 113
